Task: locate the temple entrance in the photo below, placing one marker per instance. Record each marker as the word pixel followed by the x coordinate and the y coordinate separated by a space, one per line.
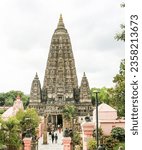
pixel 55 120
pixel 60 120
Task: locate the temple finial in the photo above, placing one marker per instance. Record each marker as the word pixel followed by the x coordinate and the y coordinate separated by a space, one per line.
pixel 36 76
pixel 18 97
pixel 84 74
pixel 60 23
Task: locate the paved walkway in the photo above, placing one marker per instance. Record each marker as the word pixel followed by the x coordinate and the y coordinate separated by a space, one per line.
pixel 50 145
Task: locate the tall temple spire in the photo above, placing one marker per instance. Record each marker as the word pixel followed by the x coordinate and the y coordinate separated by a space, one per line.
pixel 60 23
pixel 60 85
pixel 60 78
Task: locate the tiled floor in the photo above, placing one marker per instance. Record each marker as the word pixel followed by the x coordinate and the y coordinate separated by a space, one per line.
pixel 50 145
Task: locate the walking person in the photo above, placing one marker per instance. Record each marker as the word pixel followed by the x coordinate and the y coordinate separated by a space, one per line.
pixel 52 137
pixel 56 138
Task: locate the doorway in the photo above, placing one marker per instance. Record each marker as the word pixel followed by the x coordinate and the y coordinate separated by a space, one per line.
pixel 59 120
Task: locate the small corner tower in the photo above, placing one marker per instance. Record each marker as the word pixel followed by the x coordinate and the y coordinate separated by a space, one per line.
pixel 35 94
pixel 85 95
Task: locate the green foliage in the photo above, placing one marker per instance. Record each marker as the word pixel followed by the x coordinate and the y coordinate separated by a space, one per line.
pixel 69 111
pixel 121 35
pixel 1 132
pixel 2 99
pixel 118 133
pixel 9 102
pixel 100 133
pixel 119 90
pixel 76 139
pixel 91 144
pixel 103 95
pixel 110 143
pixel 115 96
pixel 12 129
pixel 120 145
pixel 8 98
pixel 2 111
pixel 10 133
pixel 29 121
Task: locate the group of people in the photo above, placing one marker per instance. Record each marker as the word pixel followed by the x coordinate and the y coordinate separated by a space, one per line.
pixel 54 136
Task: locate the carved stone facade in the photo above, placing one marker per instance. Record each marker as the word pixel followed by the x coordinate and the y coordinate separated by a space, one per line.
pixel 60 84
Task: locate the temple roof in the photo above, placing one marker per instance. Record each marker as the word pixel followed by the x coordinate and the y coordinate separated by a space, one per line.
pixel 105 107
pixel 8 113
pixel 18 104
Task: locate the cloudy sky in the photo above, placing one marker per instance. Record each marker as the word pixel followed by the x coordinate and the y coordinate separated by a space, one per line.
pixel 26 28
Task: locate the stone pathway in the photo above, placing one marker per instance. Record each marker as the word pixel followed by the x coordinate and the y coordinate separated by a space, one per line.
pixel 50 146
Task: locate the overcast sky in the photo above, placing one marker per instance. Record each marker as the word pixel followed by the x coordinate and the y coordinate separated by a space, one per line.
pixel 26 28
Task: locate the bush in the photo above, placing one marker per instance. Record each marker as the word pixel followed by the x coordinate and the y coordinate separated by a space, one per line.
pixel 110 142
pixel 2 111
pixel 120 145
pixel 91 144
pixel 10 134
pixel 118 133
pixel 29 121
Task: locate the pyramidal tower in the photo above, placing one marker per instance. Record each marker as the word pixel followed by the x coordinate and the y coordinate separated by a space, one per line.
pixel 60 78
pixel 85 95
pixel 60 85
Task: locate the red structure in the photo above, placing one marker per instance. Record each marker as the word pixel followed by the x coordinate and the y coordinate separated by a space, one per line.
pixel 67 143
pixel 27 143
pixel 87 130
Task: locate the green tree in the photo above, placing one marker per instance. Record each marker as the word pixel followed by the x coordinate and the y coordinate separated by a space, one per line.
pixel 2 99
pixel 118 92
pixel 103 96
pixel 9 101
pixel 29 121
pixel 91 144
pixel 11 134
pixel 121 35
pixel 69 112
pixel 76 139
pixel 8 98
pixel 2 111
pixel 118 133
pixel 110 143
pixel 2 139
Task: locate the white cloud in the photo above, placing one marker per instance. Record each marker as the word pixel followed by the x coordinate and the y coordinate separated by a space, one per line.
pixel 26 29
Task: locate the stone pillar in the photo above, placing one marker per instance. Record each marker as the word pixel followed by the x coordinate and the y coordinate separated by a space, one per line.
pixel 39 130
pixel 27 143
pixel 52 119
pixel 45 130
pixel 56 121
pixel 87 130
pixel 67 143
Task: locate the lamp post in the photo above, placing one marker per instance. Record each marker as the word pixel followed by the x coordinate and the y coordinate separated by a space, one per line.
pixel 96 103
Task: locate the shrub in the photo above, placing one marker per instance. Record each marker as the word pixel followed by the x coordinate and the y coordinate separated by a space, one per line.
pixel 110 142
pixel 118 133
pixel 91 144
